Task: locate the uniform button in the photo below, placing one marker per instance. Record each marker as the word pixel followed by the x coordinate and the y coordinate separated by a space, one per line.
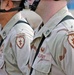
pixel 47 31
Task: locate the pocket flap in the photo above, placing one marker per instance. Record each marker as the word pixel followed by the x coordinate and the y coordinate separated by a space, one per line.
pixel 42 63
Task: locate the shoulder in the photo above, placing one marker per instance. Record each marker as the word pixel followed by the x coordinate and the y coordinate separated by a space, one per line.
pixel 21 27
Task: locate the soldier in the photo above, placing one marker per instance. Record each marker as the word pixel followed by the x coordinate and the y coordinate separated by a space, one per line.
pixel 16 35
pixel 52 49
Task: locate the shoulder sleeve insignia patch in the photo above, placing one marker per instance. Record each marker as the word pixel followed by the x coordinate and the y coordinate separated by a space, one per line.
pixel 61 57
pixel 71 39
pixel 20 41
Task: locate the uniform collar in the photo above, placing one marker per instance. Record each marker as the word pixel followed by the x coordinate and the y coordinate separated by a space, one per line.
pixel 10 24
pixel 46 29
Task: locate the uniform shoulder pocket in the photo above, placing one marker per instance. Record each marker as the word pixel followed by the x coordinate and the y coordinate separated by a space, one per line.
pixel 42 63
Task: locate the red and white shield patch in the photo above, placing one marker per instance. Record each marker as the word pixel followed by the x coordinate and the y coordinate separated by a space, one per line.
pixel 71 39
pixel 20 41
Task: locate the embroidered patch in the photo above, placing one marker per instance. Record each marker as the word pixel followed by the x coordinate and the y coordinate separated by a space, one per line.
pixel 61 57
pixel 33 47
pixel 20 41
pixel 42 49
pixel 46 57
pixel 71 39
pixel 10 45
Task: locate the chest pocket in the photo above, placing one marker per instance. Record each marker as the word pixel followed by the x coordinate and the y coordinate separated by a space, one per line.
pixel 43 63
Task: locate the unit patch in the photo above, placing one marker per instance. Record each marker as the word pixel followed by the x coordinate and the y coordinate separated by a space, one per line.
pixel 61 57
pixel 42 49
pixel 20 41
pixel 71 39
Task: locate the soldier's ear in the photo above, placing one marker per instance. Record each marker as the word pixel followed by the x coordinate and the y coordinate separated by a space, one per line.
pixel 9 5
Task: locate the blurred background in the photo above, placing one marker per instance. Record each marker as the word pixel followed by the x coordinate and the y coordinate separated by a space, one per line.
pixel 71 6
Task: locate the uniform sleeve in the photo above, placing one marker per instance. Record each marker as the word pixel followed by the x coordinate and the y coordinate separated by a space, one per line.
pixel 67 56
pixel 23 50
pixel 21 45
